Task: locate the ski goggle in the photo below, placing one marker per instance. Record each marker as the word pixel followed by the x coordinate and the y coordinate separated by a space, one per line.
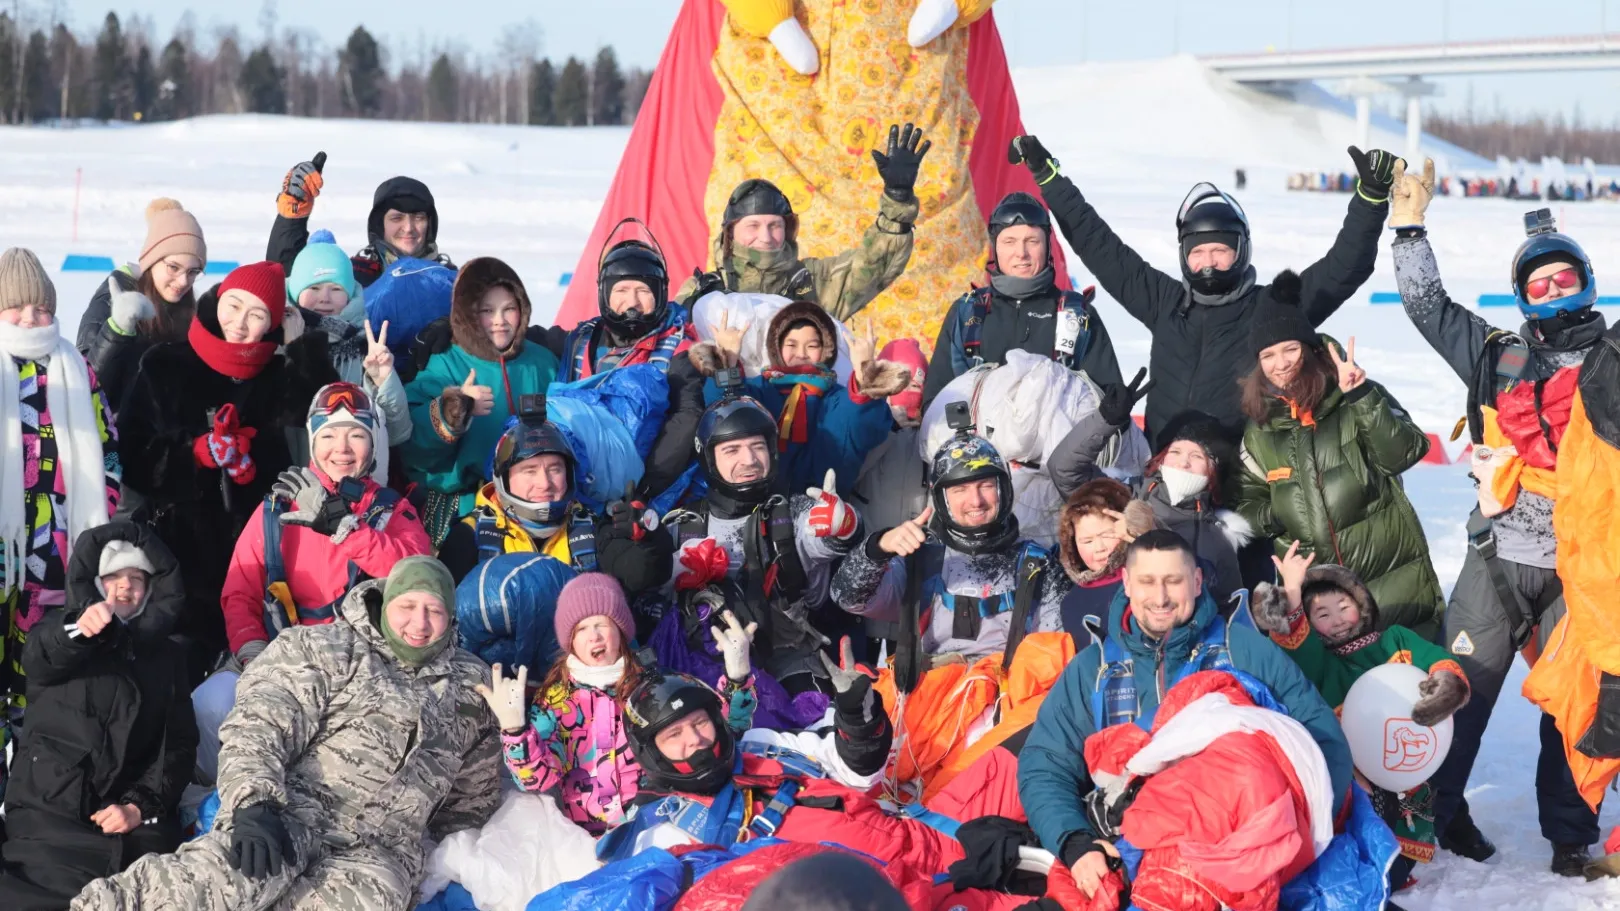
pixel 342 397
pixel 1205 192
pixel 1564 278
pixel 1019 212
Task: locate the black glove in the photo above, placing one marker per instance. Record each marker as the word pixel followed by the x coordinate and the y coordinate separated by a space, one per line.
pixel 1117 400
pixel 991 844
pixel 703 283
pixel 852 686
pixel 898 167
pixel 259 841
pixel 641 558
pixel 1028 151
pixel 1377 170
pixel 436 338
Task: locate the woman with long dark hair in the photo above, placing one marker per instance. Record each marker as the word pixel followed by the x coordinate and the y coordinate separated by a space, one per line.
pixel 1322 457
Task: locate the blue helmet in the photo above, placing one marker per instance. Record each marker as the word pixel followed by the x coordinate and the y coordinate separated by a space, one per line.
pixel 1545 244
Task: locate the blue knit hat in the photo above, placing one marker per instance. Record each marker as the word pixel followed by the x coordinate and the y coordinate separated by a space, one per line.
pixel 321 261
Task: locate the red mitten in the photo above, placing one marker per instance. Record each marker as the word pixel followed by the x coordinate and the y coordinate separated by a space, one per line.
pixel 705 562
pixel 831 517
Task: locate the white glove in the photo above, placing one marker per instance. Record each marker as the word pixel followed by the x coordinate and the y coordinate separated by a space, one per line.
pixel 831 517
pixel 128 308
pixel 507 698
pixel 734 642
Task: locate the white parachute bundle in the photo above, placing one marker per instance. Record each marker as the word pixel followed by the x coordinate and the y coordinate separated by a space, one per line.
pixel 752 314
pixel 526 848
pixel 1025 408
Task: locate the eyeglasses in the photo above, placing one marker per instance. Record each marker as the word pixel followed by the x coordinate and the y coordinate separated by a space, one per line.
pixel 1564 278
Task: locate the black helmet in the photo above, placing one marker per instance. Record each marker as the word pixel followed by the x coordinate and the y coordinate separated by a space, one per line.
pixel 970 457
pixel 636 260
pixel 736 417
pixel 1209 216
pixel 1019 208
pixel 527 436
pixel 661 698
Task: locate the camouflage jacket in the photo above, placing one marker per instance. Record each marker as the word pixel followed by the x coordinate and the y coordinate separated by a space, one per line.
pixel 841 284
pixel 356 746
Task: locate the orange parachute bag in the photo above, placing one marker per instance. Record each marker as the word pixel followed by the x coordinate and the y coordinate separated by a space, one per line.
pixel 1586 642
pixel 951 702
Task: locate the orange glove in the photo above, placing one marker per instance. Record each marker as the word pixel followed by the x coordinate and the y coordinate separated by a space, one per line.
pixel 300 188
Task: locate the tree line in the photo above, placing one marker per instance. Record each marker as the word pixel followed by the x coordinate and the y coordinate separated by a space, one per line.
pixel 1529 137
pixel 49 73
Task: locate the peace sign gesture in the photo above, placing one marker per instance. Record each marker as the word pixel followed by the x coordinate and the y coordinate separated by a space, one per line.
pixel 905 539
pixel 729 339
pixel 379 363
pixel 1350 376
pixel 863 348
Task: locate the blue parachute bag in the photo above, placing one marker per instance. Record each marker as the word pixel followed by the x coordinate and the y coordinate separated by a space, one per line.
pixel 611 420
pixel 637 396
pixel 207 811
pixel 453 898
pixel 653 880
pixel 506 606
pixel 1353 872
pixel 410 294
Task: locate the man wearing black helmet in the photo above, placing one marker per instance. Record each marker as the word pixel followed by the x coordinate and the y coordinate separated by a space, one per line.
pixel 1200 320
pixel 757 249
pixel 531 507
pixel 404 221
pixel 1021 307
pixel 1521 395
pixel 973 585
pixel 770 553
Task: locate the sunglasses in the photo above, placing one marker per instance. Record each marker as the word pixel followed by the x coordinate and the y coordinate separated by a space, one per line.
pixel 1565 278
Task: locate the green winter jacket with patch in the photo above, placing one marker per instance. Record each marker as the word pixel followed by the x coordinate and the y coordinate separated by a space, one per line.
pixel 1334 484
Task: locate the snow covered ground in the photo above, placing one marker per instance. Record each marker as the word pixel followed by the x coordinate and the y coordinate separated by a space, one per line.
pixel 1134 136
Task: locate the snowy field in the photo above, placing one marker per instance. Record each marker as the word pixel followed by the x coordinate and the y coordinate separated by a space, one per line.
pixel 1134 136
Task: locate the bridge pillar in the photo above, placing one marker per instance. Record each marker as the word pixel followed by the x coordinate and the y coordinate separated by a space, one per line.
pixel 1414 127
pixel 1363 121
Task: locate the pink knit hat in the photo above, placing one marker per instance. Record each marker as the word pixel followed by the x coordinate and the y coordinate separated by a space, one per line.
pixel 590 595
pixel 170 230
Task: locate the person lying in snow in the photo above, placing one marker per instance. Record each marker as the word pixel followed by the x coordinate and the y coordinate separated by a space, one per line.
pixel 569 740
pixel 350 743
pixel 1327 621
pixel 111 739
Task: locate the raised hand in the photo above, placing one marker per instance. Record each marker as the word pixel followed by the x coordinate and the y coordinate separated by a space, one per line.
pixel 507 698
pixel 1291 568
pixel 483 397
pixel 95 618
pixel 863 348
pixel 852 683
pixel 300 188
pixel 1376 168
pixel 899 165
pixel 1350 376
pixel 831 517
pixel 728 339
pixel 734 641
pixel 907 538
pixel 379 363
pixel 1028 151
pixel 313 506
pixel 1117 400
pixel 1410 195
pixel 127 309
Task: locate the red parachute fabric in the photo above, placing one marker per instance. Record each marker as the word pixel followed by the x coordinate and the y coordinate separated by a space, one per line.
pixel 665 169
pixel 728 887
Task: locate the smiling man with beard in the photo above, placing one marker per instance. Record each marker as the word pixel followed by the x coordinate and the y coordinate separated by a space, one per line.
pixel 1163 626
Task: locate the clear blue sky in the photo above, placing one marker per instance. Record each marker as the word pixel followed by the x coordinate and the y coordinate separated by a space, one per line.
pixel 1036 32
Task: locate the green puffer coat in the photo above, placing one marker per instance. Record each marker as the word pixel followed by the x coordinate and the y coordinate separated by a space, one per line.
pixel 1336 487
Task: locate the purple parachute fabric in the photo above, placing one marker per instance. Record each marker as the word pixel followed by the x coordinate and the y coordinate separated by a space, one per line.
pixel 777 710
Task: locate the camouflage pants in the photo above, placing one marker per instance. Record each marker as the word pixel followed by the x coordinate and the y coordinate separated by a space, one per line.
pixel 199 877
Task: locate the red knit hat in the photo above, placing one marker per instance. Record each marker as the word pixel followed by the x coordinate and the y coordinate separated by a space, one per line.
pixel 590 595
pixel 266 281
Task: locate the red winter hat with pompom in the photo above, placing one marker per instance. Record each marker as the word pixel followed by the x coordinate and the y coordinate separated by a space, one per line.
pixel 266 281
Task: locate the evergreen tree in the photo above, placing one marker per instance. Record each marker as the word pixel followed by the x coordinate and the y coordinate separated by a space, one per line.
pixel 144 83
pixel 570 105
pixel 635 92
pixel 176 94
pixel 37 96
pixel 10 48
pixel 442 90
pixel 360 68
pixel 542 87
pixel 607 89
pixel 112 82
pixel 263 83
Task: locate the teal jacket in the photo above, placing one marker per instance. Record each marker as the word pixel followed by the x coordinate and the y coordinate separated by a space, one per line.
pixel 1052 775
pixel 458 464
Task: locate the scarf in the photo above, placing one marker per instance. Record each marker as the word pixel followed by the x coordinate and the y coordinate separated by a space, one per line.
pixel 239 362
pixel 804 382
pixel 1180 486
pixel 597 678
pixel 77 426
pixel 1021 288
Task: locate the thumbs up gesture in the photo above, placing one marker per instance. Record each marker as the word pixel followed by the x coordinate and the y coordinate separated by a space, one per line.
pixel 907 538
pixel 831 517
pixel 483 396
pixel 300 187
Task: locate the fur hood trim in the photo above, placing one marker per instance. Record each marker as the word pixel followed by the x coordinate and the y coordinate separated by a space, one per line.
pixel 476 277
pixel 793 313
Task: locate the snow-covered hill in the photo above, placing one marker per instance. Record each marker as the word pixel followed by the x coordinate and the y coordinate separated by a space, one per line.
pixel 1134 136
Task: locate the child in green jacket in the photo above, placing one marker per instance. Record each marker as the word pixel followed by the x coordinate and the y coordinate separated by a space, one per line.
pixel 1327 621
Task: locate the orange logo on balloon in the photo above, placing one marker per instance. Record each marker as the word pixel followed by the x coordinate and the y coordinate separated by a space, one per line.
pixel 1408 746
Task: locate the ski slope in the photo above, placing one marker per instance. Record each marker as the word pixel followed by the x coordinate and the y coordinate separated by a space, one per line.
pixel 1134 136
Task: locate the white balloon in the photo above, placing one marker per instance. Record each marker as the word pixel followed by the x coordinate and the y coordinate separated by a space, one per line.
pixel 1388 747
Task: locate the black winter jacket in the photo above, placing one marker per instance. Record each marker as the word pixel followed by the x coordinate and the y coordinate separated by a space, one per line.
pixel 164 412
pixel 109 722
pixel 1200 351
pixel 1030 324
pixel 113 356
